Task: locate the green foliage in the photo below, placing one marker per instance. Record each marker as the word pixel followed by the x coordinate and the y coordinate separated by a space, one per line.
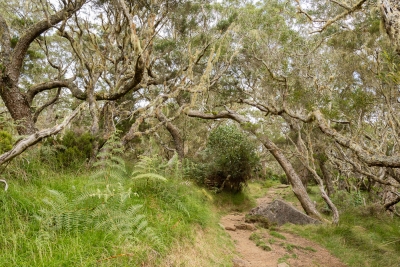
pixel 230 158
pixel 238 202
pixel 270 175
pixel 147 165
pixel 223 25
pixel 100 210
pixel 366 234
pixel 5 141
pixel 110 165
pixel 70 150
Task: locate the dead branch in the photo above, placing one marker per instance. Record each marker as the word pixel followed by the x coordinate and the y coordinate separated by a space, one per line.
pixel 32 139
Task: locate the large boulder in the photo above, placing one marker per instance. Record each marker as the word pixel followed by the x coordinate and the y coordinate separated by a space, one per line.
pixel 280 212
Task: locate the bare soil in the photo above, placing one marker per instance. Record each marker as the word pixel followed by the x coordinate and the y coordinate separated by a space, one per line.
pixel 293 251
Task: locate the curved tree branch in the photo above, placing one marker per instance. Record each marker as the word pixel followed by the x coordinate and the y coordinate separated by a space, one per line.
pixel 50 102
pixel 5 43
pixel 175 133
pixel 363 154
pixel 34 90
pixel 32 139
pixel 36 30
pixel 348 11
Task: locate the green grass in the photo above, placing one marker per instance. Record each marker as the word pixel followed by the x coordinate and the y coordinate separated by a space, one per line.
pixel 73 219
pixel 258 239
pixel 360 239
pixel 228 202
pixel 277 235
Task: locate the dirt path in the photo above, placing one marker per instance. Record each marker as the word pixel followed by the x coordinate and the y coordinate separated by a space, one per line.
pixel 285 249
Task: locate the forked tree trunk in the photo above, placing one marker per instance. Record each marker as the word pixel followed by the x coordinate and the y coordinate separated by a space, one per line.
pixel 11 64
pixel 175 134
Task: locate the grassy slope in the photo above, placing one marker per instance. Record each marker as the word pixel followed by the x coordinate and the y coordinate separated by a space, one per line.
pixel 365 236
pixel 185 229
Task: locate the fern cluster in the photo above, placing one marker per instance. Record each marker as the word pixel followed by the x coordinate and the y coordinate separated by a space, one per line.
pixel 118 204
pixel 153 169
pixel 109 204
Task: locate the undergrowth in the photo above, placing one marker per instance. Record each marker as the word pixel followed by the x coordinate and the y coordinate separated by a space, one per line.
pixel 112 216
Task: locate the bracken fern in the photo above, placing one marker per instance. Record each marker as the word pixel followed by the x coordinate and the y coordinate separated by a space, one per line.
pixel 107 206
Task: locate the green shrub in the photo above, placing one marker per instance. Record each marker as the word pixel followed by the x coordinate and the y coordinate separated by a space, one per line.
pixel 70 149
pixel 230 158
pixel 5 141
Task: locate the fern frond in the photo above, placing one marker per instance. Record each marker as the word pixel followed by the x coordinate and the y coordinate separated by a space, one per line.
pixel 181 207
pixel 149 176
pixel 99 173
pixel 141 227
pixel 134 209
pixel 155 239
pixel 117 160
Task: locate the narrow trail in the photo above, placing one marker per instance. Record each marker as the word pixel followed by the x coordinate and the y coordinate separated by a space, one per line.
pixel 286 249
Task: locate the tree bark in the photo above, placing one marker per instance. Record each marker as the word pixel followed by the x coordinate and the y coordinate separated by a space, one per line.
pixel 19 108
pixel 175 133
pixel 327 178
pixel 294 179
pixel 390 11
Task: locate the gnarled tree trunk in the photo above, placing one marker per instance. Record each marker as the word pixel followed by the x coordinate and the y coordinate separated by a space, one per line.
pixel 175 133
pixel 18 107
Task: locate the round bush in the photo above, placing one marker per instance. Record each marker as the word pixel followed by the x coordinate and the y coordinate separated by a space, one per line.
pixel 230 157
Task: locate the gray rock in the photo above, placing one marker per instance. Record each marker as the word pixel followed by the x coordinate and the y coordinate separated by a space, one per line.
pixel 280 212
pixel 283 264
pixel 239 263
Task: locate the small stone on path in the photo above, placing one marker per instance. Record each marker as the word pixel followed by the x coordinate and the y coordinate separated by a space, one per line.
pixel 239 263
pixel 245 226
pixel 283 264
pixel 230 228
